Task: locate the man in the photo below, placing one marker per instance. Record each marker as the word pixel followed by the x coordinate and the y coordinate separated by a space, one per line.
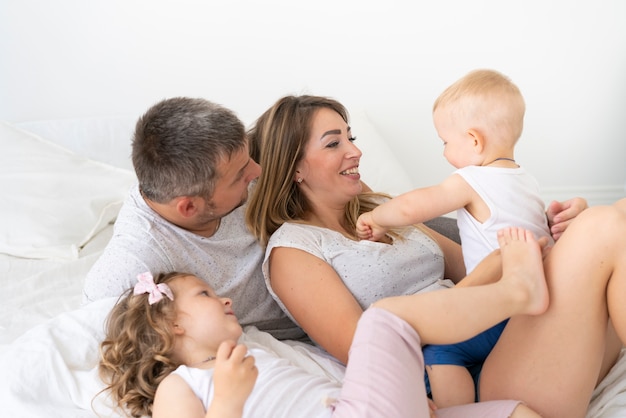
pixel 194 169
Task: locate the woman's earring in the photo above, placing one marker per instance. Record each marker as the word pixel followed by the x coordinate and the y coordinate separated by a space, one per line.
pixel 299 180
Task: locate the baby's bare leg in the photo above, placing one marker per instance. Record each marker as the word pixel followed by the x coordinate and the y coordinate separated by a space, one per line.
pixel 453 315
pixel 552 361
pixel 450 385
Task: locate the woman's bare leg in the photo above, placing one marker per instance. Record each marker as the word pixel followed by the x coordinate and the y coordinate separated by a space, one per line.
pixel 452 315
pixel 522 411
pixel 552 361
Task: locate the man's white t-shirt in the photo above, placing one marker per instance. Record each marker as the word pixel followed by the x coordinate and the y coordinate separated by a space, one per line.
pixel 230 261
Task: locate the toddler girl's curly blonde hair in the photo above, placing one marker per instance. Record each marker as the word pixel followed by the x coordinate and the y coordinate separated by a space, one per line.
pixel 136 354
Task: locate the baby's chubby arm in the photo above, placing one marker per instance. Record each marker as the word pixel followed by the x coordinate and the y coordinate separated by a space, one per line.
pixel 415 206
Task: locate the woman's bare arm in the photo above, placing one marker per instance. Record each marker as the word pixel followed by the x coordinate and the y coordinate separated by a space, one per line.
pixel 317 298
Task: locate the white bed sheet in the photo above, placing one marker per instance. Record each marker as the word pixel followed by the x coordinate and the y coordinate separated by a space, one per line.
pixel 49 343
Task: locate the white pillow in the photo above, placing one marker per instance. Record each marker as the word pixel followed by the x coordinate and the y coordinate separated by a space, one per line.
pixel 108 139
pixel 53 201
pixel 104 139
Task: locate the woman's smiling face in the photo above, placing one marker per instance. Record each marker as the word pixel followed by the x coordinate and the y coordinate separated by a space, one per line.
pixel 330 167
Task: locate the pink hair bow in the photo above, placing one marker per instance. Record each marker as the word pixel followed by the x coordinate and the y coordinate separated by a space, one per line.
pixel 145 284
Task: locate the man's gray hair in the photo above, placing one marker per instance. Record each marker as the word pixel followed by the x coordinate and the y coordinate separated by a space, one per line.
pixel 178 144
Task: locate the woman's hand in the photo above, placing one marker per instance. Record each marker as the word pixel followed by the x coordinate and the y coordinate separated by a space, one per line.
pixel 561 214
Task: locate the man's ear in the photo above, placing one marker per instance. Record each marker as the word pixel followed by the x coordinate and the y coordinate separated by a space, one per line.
pixel 478 140
pixel 187 206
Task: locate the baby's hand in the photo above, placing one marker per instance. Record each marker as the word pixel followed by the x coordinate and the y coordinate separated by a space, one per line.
pixel 234 376
pixel 366 228
pixel 363 230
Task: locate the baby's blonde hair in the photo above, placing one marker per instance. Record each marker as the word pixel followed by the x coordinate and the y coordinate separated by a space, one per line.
pixel 488 101
pixel 136 354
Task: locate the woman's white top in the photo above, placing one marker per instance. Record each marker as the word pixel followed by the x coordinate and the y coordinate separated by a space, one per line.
pixel 370 270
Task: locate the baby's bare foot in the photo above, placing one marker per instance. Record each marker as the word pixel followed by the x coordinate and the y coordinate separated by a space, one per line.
pixel 544 243
pixel 522 267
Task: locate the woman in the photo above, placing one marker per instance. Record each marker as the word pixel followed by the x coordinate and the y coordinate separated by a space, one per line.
pixel 308 198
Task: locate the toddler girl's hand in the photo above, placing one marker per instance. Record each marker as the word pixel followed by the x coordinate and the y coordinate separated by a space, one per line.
pixel 234 375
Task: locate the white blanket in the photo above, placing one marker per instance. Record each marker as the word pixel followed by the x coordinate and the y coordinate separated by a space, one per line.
pixel 51 370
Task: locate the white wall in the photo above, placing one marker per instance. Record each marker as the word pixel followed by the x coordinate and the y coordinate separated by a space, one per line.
pixel 74 58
